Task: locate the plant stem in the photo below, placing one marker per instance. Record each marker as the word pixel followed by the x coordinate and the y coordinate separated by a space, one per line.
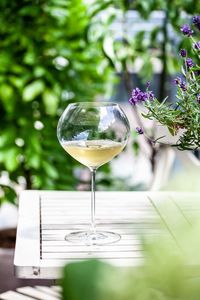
pixel 27 174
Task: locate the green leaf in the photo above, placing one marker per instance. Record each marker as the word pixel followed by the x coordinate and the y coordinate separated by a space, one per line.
pixel 90 276
pixel 32 90
pixel 8 194
pixel 172 131
pixel 33 160
pixel 172 64
pixel 136 148
pixel 51 101
pixel 34 144
pixel 37 181
pixel 30 58
pixel 16 81
pixel 39 71
pixel 50 170
pixel 7 97
pixel 4 61
pixel 11 161
pixel 7 137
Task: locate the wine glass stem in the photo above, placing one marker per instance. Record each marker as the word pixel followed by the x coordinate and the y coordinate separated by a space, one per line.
pixel 93 225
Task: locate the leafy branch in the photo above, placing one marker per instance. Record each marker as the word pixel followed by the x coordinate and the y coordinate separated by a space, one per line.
pixel 183 117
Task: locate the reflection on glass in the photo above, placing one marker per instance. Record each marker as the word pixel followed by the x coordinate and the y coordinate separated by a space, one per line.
pixel 93 133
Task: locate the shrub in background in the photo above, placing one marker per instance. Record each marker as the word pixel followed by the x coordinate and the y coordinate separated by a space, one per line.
pixel 46 61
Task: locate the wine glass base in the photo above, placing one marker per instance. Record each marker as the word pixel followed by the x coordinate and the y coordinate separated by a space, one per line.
pixel 90 238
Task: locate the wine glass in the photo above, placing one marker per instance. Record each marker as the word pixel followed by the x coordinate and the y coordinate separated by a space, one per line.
pixel 93 133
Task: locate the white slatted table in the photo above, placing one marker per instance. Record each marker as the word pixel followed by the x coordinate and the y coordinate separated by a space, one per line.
pixel 33 293
pixel 45 217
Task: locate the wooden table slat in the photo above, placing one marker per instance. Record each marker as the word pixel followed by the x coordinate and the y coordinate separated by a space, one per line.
pixel 13 295
pixel 36 293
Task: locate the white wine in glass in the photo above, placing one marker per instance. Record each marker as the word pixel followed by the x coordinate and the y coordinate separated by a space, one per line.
pixel 95 153
pixel 93 133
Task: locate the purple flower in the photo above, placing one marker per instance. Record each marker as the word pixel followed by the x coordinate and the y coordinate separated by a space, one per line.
pixel 183 53
pixel 183 86
pixel 139 130
pixel 148 83
pixel 177 80
pixel 185 29
pixel 197 45
pixel 198 98
pixel 151 95
pixel 189 63
pixel 138 96
pixel 197 73
pixel 196 21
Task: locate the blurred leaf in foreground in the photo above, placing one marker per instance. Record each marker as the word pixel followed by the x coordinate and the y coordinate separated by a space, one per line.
pixel 94 280
pixel 170 270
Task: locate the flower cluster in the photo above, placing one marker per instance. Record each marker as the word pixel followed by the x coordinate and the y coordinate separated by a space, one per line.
pixel 139 130
pixel 138 96
pixel 185 114
pixel 189 63
pixel 196 21
pixel 183 53
pixel 182 84
pixel 197 45
pixel 186 30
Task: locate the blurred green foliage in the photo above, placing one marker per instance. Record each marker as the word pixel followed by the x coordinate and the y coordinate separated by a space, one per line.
pixel 170 271
pixel 158 43
pixel 47 60
pixel 56 52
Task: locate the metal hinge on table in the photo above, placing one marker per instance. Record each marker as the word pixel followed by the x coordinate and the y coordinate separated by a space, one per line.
pixel 36 271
